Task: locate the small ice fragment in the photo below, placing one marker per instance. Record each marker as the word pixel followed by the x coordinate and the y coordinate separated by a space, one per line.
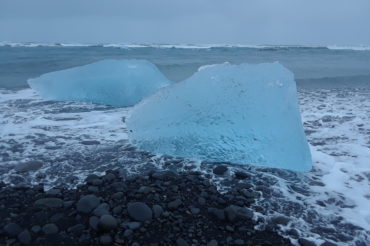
pixel 111 82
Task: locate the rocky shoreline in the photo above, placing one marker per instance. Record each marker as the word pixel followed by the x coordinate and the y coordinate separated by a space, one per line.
pixel 156 208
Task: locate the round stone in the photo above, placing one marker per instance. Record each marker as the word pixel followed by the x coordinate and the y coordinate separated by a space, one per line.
pixel 212 243
pixel 28 166
pixel 139 211
pixel 50 229
pixel 107 222
pixel 12 229
pixel 158 210
pixel 241 175
pixel 134 225
pixel 91 178
pixel 305 242
pixel 101 209
pixel 201 201
pixel 93 222
pixel 117 195
pixel 328 244
pixel 76 229
pixel 109 177
pixel 194 210
pixel 35 229
pixel 87 203
pixel 127 233
pixel 181 242
pixel 105 240
pixel 220 170
pixel 239 242
pixel 54 192
pixel 49 203
pixel 24 237
pixel 174 204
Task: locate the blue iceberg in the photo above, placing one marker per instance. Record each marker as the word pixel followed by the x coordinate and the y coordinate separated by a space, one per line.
pixel 245 114
pixel 111 82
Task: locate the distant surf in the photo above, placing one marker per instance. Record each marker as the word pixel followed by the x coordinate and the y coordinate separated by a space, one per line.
pixel 180 46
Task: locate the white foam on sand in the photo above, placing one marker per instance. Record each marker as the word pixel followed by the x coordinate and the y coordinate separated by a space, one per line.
pixel 20 121
pixel 60 134
pixel 346 152
pixel 340 146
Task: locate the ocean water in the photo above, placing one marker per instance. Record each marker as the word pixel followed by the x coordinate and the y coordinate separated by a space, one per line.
pixel 74 139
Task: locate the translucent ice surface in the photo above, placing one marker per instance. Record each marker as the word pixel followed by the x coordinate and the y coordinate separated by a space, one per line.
pixel 246 114
pixel 111 82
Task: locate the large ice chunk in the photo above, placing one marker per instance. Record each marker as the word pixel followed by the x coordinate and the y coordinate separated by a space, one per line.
pixel 246 114
pixel 111 82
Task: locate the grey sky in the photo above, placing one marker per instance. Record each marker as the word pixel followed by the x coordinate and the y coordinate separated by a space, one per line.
pixel 308 22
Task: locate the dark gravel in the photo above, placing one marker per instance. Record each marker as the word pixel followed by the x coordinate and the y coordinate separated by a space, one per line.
pixel 157 208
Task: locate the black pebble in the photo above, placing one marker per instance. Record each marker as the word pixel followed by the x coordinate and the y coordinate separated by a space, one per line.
pixel 174 204
pixel 239 242
pixel 12 229
pixel 212 243
pixel 87 203
pixel 139 211
pixel 49 203
pixel 220 170
pixel 201 201
pixel 76 229
pixel 328 244
pixel 158 210
pixel 241 175
pixel 93 222
pixel 35 229
pixel 305 242
pixel 50 229
pixel 102 209
pixel 107 222
pixel 181 242
pixel 25 237
pixel 105 240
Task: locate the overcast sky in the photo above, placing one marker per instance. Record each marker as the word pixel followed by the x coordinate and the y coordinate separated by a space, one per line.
pixel 307 22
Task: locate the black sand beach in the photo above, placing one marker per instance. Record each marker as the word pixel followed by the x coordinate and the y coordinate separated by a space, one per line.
pixel 158 208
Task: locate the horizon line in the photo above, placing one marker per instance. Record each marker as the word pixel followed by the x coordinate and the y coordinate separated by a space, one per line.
pixel 178 45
